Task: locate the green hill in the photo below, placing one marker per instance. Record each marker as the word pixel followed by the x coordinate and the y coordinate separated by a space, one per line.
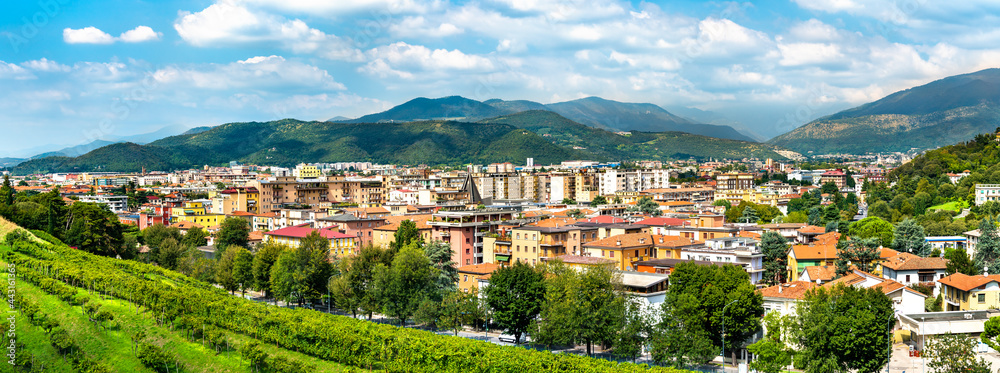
pixel 543 135
pixel 422 108
pixel 939 113
pixel 636 145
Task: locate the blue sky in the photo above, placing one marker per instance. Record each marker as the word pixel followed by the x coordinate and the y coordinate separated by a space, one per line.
pixel 75 71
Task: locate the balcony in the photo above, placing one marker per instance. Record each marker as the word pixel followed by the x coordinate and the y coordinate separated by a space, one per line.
pixel 446 233
pixel 952 301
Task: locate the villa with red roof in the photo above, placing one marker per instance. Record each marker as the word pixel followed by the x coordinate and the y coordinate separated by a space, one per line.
pixel 340 243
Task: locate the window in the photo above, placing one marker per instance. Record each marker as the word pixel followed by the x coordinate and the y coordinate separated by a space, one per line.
pixel 612 253
pixel 518 248
pixel 982 297
pixel 907 278
pixel 466 278
pixel 518 236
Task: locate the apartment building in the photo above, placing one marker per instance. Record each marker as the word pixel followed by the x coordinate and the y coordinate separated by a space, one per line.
pixel 734 181
pixel 465 231
pixel 278 192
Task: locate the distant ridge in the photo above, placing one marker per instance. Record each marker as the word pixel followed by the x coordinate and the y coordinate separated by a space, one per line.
pixel 543 135
pixel 936 114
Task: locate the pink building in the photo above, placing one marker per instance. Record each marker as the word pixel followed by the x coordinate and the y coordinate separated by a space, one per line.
pixel 465 230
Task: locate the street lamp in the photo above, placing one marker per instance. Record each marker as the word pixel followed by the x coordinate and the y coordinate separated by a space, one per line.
pixel 724 334
pixel 888 337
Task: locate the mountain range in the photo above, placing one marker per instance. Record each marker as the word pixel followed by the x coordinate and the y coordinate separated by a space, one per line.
pixel 78 150
pixel 936 114
pixel 591 111
pixel 543 135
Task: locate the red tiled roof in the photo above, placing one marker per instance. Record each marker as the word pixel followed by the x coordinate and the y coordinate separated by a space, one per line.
pixel 662 221
pixel 479 269
pixel 965 282
pixel 790 290
pixel 581 259
pixel 907 261
pixel 813 252
pixel 812 229
pixel 300 231
pixel 822 273
pixel 605 219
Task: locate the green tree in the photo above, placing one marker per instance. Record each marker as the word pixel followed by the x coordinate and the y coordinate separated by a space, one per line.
pixel 195 237
pixel 715 287
pixel 283 281
pixel 861 253
pixel 749 215
pixel 991 333
pixel 797 217
pixel 267 255
pixel 406 234
pixel 680 338
pixel 598 201
pixel 988 246
pixel 170 252
pixel 880 210
pixel 232 231
pixel 959 262
pixel 948 353
pixel 515 295
pixel 646 205
pixel 154 235
pixel 243 270
pixel 772 354
pixel 568 201
pixel 224 270
pixel 775 250
pixel 456 310
pixel 94 229
pixel 873 227
pixel 440 254
pixel 361 278
pixel 829 188
pixel 910 238
pixel 635 329
pixel 581 307
pixel 6 192
pixel 406 283
pixel 843 329
pixel 722 202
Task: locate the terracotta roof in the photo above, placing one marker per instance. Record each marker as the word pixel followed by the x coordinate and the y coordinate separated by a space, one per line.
pixel 812 229
pixel 302 230
pixel 582 211
pixel 392 222
pixel 789 290
pixel 676 203
pixel 849 279
pixel 887 253
pixel 479 269
pixel 965 282
pixel 256 236
pixel 368 210
pixel 812 252
pixel 662 221
pixel 749 234
pixel 830 238
pixel 791 195
pixel 907 261
pixel 581 259
pixel 605 219
pixel 241 213
pixel 627 240
pixel 553 222
pixel 822 273
pixel 783 226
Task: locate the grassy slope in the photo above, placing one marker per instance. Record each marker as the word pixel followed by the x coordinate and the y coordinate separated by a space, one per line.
pixel 111 346
pixel 956 206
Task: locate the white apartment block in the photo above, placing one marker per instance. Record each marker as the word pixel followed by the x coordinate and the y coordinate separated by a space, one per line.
pixel 117 204
pixel 986 193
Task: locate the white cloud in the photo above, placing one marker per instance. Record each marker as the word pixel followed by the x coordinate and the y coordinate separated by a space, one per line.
pixel 799 54
pixel 140 34
pixel 813 30
pixel 418 25
pixel 335 7
pixel 228 23
pixel 12 71
pixel 93 35
pixel 87 35
pixel 270 72
pixel 45 65
pixel 401 60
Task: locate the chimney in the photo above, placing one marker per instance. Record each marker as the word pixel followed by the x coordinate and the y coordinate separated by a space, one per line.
pixel 780 287
pixel 986 271
pixel 661 239
pixel 618 243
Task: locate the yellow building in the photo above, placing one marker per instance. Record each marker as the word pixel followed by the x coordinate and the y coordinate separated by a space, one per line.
pixel 624 249
pixel 970 293
pixel 802 256
pixel 341 244
pixel 308 171
pixel 735 196
pixel 236 199
pixel 549 238
pixel 384 235
pixel 195 212
pixel 469 276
